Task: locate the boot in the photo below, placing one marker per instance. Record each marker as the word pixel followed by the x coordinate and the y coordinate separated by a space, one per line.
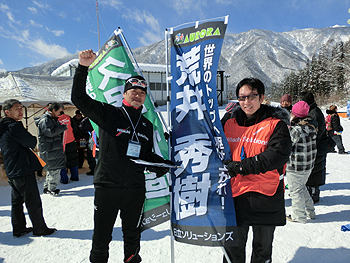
pixel 315 194
pixel 64 177
pixel 74 173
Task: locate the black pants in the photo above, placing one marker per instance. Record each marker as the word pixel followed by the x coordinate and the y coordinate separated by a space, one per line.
pixel 262 245
pixel 108 202
pixel 339 142
pixel 90 159
pixel 25 190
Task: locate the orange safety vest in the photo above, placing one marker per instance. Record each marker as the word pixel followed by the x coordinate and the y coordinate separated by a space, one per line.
pixel 252 140
pixel 68 134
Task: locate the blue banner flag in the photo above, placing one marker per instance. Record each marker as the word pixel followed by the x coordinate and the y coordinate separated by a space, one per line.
pixel 202 205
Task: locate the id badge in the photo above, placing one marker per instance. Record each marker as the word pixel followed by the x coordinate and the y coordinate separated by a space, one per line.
pixel 134 149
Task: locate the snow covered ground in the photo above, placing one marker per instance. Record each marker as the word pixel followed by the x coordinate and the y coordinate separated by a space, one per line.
pixel 319 240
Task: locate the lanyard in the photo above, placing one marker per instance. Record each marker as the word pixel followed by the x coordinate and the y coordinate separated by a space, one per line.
pixel 134 127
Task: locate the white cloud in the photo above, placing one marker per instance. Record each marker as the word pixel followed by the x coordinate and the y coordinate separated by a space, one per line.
pixel 149 38
pixel 41 5
pixel 5 9
pixel 143 18
pixel 48 50
pixel 1 63
pixel 32 23
pixel 33 10
pixel 113 3
pixel 57 33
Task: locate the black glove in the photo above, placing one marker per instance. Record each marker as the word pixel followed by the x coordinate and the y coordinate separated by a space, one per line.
pixel 234 167
pixel 159 171
pixel 154 158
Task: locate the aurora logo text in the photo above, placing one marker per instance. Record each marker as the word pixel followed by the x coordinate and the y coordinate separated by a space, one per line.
pixel 181 39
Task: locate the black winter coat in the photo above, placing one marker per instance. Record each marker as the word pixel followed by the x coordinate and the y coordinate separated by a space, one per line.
pixel 114 168
pixel 15 144
pixel 335 122
pixel 253 208
pixel 318 174
pixel 51 141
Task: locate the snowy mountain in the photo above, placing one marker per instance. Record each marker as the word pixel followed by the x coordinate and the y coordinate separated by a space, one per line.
pixel 264 54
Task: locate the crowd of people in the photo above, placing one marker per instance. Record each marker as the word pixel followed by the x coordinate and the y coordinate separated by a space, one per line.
pixel 297 139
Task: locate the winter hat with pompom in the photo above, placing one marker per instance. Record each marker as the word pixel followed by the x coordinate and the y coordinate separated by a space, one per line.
pixel 301 109
pixel 332 107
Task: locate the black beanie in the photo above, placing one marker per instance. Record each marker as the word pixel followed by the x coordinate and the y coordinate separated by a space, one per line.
pixel 128 85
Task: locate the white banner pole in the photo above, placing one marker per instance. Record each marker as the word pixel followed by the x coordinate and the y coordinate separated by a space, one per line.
pixel 168 78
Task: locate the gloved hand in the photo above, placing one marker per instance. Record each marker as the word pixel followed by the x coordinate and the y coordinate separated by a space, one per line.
pixel 154 158
pixel 337 132
pixel 233 167
pixel 159 171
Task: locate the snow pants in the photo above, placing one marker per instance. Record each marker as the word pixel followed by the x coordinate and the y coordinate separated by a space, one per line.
pixel 52 179
pixel 262 245
pixel 25 190
pixel 302 203
pixel 339 142
pixel 108 202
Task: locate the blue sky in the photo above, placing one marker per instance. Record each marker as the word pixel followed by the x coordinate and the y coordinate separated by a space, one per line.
pixel 34 32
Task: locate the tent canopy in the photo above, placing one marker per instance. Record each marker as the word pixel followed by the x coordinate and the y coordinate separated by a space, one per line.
pixel 29 89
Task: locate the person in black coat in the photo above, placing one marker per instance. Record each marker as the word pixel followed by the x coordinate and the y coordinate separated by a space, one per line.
pixel 21 163
pixel 336 129
pixel 260 144
pixel 317 177
pixel 124 134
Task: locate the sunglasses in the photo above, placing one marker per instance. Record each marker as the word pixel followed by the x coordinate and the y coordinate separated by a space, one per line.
pixel 249 97
pixel 137 82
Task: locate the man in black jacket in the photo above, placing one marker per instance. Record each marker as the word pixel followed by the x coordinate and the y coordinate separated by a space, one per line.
pixel 20 165
pixel 124 133
pixel 317 177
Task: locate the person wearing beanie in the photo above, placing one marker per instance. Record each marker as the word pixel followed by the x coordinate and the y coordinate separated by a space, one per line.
pixel 318 175
pixel 334 128
pixel 300 164
pixel 286 102
pixel 300 109
pixel 256 169
pixel 124 134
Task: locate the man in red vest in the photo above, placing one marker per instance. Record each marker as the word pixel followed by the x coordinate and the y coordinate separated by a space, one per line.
pixel 260 144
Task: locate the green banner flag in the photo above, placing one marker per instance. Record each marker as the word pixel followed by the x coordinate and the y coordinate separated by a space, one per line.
pixel 105 83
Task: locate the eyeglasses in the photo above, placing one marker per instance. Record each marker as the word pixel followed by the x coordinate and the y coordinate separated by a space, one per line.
pixel 249 97
pixel 137 82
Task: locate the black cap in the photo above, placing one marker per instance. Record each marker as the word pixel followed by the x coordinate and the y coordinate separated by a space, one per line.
pixel 129 85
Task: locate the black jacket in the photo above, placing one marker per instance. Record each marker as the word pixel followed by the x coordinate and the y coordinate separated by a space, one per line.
pixel 253 208
pixel 15 144
pixel 318 174
pixel 114 168
pixel 51 141
pixel 335 122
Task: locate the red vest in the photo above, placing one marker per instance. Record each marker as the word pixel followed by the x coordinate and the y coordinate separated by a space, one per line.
pixel 252 140
pixel 68 134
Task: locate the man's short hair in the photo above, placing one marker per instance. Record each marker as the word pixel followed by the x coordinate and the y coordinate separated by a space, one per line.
pixel 55 106
pixel 254 83
pixel 307 96
pixel 8 104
